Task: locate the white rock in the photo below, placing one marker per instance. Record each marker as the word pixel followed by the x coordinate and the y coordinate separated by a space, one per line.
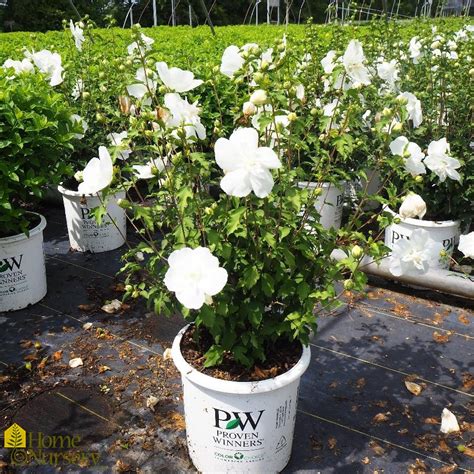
pixel 76 362
pixel 449 423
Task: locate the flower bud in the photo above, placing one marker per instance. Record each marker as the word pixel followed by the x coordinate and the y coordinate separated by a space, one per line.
pixel 386 112
pixel 398 127
pixel 79 176
pixel 86 95
pixel 357 251
pixel 419 179
pixel 162 89
pixel 314 112
pixel 249 108
pixel 103 89
pixel 292 117
pixel 412 206
pixel 124 203
pixel 139 257
pixel 264 66
pixel 348 284
pixel 258 77
pixel 259 97
pixel 100 117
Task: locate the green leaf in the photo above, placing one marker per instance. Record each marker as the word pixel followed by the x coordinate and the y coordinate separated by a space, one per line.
pixel 234 219
pixel 251 276
pixel 232 424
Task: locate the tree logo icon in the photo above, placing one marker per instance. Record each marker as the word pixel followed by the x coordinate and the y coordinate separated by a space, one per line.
pixel 15 437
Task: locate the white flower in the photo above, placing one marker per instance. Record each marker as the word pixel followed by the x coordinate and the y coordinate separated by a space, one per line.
pixel 449 423
pixel 177 79
pixel 328 62
pixel 415 49
pixel 249 108
pixel 119 140
pixel 78 89
pixel 78 119
pixel 98 173
pixel 353 61
pixel 412 154
pixel 466 245
pixel 231 61
pixel 146 85
pixel 194 276
pixel 183 114
pixel 246 164
pixel 414 256
pixel 78 35
pixel 438 161
pixel 19 66
pixel 388 72
pixel 259 97
pixel 148 170
pixel 413 108
pixel 48 63
pixel 412 206
pixel 142 46
pixel 300 92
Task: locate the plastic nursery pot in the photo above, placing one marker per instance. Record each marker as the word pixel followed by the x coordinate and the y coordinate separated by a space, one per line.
pixel 84 232
pixel 22 269
pixel 329 203
pixel 239 426
pixel 369 186
pixel 445 232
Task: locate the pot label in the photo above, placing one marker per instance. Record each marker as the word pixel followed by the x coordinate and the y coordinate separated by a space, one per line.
pixel 237 431
pixel 12 276
pixel 91 229
pixel 448 243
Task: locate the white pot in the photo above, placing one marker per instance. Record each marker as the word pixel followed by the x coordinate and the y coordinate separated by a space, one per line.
pixel 369 187
pixel 84 232
pixel 22 269
pixel 264 412
pixel 329 203
pixel 444 232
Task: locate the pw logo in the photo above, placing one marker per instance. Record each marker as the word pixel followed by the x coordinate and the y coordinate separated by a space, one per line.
pixel 14 437
pixel 10 263
pixel 235 419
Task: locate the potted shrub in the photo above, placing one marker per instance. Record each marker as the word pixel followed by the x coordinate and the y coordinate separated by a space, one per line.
pixel 435 167
pixel 35 137
pixel 94 220
pixel 233 244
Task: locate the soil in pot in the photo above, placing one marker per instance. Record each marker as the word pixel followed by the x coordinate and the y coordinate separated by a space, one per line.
pixel 33 221
pixel 281 357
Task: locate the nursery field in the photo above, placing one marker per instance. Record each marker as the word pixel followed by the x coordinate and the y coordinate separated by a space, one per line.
pixel 205 239
pixel 196 47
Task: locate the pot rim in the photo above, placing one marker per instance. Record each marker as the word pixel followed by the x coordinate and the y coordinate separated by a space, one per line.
pixel 423 222
pixel 19 237
pixel 321 184
pixel 68 192
pixel 240 388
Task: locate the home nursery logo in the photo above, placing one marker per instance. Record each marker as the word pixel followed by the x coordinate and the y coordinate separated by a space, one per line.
pixel 11 263
pixel 42 449
pixel 14 437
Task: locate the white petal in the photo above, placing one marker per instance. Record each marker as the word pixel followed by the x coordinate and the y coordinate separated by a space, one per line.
pixel 268 158
pixel 449 423
pixel 137 90
pixel 397 147
pixel 191 297
pixel 226 155
pixel 214 281
pixel 237 183
pixel 262 182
